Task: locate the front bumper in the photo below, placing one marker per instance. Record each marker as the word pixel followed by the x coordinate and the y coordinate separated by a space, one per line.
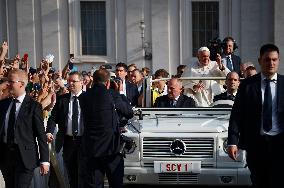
pixel 208 176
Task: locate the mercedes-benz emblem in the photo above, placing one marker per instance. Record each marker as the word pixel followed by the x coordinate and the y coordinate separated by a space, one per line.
pixel 178 147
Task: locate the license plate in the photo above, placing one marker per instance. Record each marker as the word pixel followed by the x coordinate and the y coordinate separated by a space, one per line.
pixel 177 166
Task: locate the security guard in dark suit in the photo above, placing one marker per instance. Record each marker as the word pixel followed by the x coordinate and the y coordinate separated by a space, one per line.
pixel 22 137
pixel 232 85
pixel 257 124
pixel 101 138
pixel 67 114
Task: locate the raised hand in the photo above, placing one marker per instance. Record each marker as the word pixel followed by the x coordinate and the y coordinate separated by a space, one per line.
pixel 4 50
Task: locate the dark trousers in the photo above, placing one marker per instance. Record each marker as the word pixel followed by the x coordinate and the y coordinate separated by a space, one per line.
pixel 72 158
pixel 98 167
pixel 15 174
pixel 266 162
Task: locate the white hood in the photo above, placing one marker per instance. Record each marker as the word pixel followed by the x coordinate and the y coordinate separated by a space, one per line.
pixel 183 123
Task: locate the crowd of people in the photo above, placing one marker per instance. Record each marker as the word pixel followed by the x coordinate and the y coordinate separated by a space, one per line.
pixel 46 83
pixel 78 103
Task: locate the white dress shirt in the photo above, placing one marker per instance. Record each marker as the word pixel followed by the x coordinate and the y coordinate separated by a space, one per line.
pixel 123 92
pixel 70 112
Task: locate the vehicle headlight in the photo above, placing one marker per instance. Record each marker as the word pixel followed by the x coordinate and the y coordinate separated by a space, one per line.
pixel 223 159
pixel 225 145
pixel 129 144
pixel 131 147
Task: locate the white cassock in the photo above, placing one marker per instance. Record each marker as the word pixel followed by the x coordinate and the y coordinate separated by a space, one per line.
pixel 212 87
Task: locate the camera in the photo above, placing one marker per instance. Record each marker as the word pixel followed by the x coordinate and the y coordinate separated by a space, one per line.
pixel 216 47
pixel 71 62
pixel 114 83
pixel 36 87
pixel 107 66
pixel 117 79
pixel 70 65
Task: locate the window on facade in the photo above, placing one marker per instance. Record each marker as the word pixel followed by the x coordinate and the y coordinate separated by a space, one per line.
pixel 93 27
pixel 205 24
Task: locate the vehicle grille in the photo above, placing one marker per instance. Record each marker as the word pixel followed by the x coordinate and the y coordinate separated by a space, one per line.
pixel 178 178
pixel 195 147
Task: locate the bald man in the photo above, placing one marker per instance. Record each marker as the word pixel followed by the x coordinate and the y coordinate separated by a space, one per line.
pixel 174 98
pixel 232 83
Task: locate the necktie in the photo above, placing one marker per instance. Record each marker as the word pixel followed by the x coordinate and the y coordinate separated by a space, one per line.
pixel 231 97
pixel 11 123
pixel 267 107
pixel 75 116
pixel 229 63
pixel 173 103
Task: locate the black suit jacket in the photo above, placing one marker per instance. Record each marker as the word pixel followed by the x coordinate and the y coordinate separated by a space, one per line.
pixel 245 120
pixel 222 96
pixel 236 63
pixel 183 102
pixel 132 93
pixel 59 115
pixel 236 60
pixel 121 99
pixel 29 127
pixel 99 107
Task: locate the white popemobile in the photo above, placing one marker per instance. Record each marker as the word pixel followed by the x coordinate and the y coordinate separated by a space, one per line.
pixel 182 146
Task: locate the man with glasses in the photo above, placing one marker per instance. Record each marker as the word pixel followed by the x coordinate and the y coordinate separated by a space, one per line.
pixel 23 142
pixel 67 114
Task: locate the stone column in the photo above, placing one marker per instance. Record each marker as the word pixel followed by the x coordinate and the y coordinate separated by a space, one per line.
pixel 160 34
pixel 279 30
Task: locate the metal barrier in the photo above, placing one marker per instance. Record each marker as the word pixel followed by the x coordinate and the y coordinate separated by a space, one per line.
pixel 56 161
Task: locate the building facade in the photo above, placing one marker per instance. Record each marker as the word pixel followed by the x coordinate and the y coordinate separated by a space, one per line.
pixel 153 33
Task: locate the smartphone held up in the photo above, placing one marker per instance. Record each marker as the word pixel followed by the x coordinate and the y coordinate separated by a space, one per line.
pixel 71 62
